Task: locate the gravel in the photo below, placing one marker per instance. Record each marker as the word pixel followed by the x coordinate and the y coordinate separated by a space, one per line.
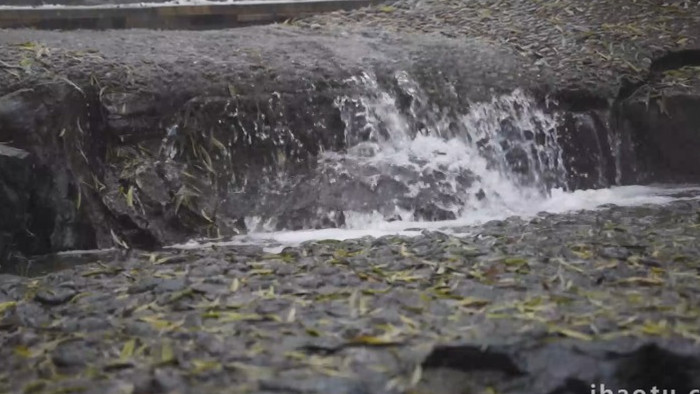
pixel 586 44
pixel 363 315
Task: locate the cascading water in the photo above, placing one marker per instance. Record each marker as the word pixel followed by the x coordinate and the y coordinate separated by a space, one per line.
pixel 502 154
pixel 412 166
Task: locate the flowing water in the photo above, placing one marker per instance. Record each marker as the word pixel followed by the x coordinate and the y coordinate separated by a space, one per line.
pixel 414 167
pixel 411 166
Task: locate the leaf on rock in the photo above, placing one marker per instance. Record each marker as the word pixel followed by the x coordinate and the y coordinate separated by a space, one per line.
pixel 7 305
pixel 128 349
pixel 570 333
pixel 369 340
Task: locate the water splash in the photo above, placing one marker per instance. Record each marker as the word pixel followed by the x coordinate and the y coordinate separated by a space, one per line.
pixel 494 156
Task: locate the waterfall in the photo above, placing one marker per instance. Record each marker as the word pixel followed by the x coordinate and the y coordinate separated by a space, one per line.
pixel 410 164
pixel 495 156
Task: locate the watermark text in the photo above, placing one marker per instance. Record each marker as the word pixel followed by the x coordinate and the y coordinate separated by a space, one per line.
pixel 601 389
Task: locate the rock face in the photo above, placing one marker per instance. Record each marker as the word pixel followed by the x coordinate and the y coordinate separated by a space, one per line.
pixel 15 183
pixel 184 134
pixel 41 187
pixel 667 135
pixel 142 154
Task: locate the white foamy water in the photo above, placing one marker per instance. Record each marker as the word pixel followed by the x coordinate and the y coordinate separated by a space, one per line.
pixel 502 161
pixel 363 225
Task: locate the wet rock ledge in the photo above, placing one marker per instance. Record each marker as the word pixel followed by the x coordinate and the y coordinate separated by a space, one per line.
pixel 146 138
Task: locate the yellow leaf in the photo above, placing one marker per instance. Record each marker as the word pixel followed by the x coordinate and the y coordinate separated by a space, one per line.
pixel 603 266
pixel 167 355
pixel 205 365
pixel 291 315
pixel 471 302
pixel 118 241
pixel 409 322
pixel 23 351
pixel 28 45
pixel 128 349
pixel 235 285
pixel 416 376
pixel 652 328
pixel 515 261
pixel 261 271
pixel 7 305
pixel 161 324
pixel 313 332
pixel 163 260
pixel 130 197
pixel 371 341
pixel 570 333
pixel 205 216
pixel 26 62
pixel 218 144
pixel 79 199
pixel 231 316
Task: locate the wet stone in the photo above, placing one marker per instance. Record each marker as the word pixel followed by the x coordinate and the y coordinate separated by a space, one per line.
pixel 73 354
pixel 207 267
pixel 117 387
pixel 138 329
pixel 168 381
pixel 170 285
pixel 143 382
pixel 515 289
pixel 211 289
pixel 143 286
pixel 87 323
pixel 56 296
pixel 615 253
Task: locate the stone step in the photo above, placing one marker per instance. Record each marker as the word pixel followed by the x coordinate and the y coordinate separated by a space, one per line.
pixel 185 15
pixel 111 3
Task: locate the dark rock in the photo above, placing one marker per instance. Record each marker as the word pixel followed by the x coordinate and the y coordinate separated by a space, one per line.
pixel 615 253
pixel 50 220
pixel 143 286
pixel 170 285
pixel 143 382
pixel 471 358
pixel 15 194
pixel 168 381
pixel 666 135
pixel 651 365
pixel 674 60
pixel 433 212
pixel 117 387
pixel 73 354
pixel 25 315
pixel 55 296
pixel 590 159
